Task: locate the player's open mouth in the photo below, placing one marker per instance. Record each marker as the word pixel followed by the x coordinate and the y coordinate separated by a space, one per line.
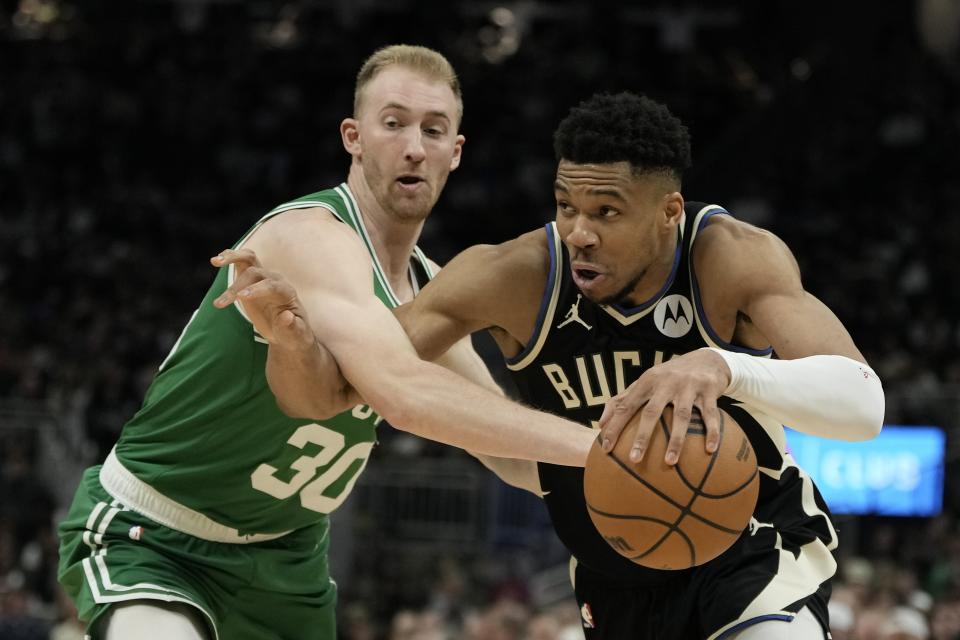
pixel 409 182
pixel 587 279
pixel 586 274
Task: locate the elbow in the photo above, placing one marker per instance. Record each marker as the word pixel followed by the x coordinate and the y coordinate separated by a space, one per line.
pixel 872 423
pixel 398 395
pixel 314 408
pixel 867 429
pixel 396 408
pixel 301 411
pixel 869 418
pixel 876 408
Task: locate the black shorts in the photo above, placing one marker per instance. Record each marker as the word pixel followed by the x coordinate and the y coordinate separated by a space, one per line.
pixel 751 582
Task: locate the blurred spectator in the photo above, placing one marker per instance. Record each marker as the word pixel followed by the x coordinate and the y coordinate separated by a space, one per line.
pixel 18 620
pixel 135 140
pixel 904 623
pixel 356 623
pixel 945 620
pixel 67 626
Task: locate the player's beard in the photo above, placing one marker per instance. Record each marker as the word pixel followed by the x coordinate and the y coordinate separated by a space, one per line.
pixel 410 209
pixel 623 296
pixel 404 208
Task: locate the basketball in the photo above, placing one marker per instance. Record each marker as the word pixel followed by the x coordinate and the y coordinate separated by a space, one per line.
pixel 673 517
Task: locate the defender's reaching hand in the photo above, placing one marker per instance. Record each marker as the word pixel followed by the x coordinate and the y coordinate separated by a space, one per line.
pixel 267 298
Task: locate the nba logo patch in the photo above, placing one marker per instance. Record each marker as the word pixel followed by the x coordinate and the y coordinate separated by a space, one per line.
pixel 135 533
pixel 587 616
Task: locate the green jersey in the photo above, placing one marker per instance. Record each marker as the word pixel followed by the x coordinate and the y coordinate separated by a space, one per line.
pixel 210 436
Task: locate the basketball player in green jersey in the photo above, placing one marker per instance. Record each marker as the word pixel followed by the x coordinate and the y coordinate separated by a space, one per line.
pixel 209 517
pixel 635 297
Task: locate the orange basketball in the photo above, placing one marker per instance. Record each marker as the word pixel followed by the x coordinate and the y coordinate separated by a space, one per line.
pixel 673 517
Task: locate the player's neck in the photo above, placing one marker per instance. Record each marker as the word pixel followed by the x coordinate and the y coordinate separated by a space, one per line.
pixel 393 240
pixel 658 273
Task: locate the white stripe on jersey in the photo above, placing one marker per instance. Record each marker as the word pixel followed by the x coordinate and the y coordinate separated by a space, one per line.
pixel 548 317
pixel 378 271
pixel 693 237
pixel 797 576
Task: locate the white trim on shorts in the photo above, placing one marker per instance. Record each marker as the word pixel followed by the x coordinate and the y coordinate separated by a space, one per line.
pixel 102 587
pixel 137 495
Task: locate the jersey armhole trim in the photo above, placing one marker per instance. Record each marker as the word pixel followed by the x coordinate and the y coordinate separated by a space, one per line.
pixel 231 269
pixel 703 325
pixel 548 306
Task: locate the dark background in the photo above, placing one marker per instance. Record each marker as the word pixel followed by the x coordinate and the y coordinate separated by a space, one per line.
pixel 139 138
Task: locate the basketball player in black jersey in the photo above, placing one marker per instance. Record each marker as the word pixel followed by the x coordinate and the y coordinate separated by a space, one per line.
pixel 634 299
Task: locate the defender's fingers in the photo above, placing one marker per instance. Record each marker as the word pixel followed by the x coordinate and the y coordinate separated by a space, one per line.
pixel 649 416
pixel 682 412
pixel 246 257
pixel 243 280
pixel 268 290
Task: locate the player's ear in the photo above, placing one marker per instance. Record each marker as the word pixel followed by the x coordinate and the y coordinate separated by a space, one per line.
pixel 673 208
pixel 457 150
pixel 350 134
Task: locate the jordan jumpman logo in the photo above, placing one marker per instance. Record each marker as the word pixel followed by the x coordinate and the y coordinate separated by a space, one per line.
pixel 574 315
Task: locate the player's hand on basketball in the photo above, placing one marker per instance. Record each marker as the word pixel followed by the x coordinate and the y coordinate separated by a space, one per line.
pixel 267 298
pixel 689 382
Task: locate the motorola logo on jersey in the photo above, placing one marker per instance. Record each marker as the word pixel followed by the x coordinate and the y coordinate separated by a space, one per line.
pixel 674 316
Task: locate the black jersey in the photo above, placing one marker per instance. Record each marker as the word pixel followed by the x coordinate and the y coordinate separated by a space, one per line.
pixel 582 353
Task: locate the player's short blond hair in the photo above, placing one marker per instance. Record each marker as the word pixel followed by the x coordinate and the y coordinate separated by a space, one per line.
pixel 426 61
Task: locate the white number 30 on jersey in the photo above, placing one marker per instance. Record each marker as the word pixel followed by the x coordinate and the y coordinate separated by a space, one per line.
pixel 310 485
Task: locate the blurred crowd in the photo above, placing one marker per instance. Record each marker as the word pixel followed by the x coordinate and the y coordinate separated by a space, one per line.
pixel 137 139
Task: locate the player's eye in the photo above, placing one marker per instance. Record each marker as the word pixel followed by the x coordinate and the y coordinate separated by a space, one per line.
pixel 608 212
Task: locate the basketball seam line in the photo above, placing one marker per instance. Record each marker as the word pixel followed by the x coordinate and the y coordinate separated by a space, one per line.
pixel 655 520
pixel 684 510
pixel 667 498
pixel 675 527
pixel 712 496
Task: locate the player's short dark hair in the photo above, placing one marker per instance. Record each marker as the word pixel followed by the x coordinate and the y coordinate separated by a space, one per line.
pixel 610 128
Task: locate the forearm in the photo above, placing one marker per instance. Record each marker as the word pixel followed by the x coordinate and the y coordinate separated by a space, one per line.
pixel 307 383
pixel 433 403
pixel 521 474
pixel 824 395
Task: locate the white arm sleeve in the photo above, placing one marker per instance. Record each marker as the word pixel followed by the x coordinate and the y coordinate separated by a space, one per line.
pixel 825 395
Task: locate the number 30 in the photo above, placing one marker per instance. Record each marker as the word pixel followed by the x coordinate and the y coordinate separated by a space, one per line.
pixel 311 493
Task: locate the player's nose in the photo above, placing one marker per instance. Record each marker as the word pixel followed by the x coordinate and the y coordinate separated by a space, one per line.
pixel 581 235
pixel 413 150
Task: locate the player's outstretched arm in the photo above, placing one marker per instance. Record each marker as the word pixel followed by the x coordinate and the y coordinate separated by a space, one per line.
pixel 295 359
pixel 821 384
pixel 522 474
pixel 326 265
pixel 485 287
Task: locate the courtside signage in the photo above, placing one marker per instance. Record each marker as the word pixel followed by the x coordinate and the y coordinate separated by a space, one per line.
pixel 899 473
